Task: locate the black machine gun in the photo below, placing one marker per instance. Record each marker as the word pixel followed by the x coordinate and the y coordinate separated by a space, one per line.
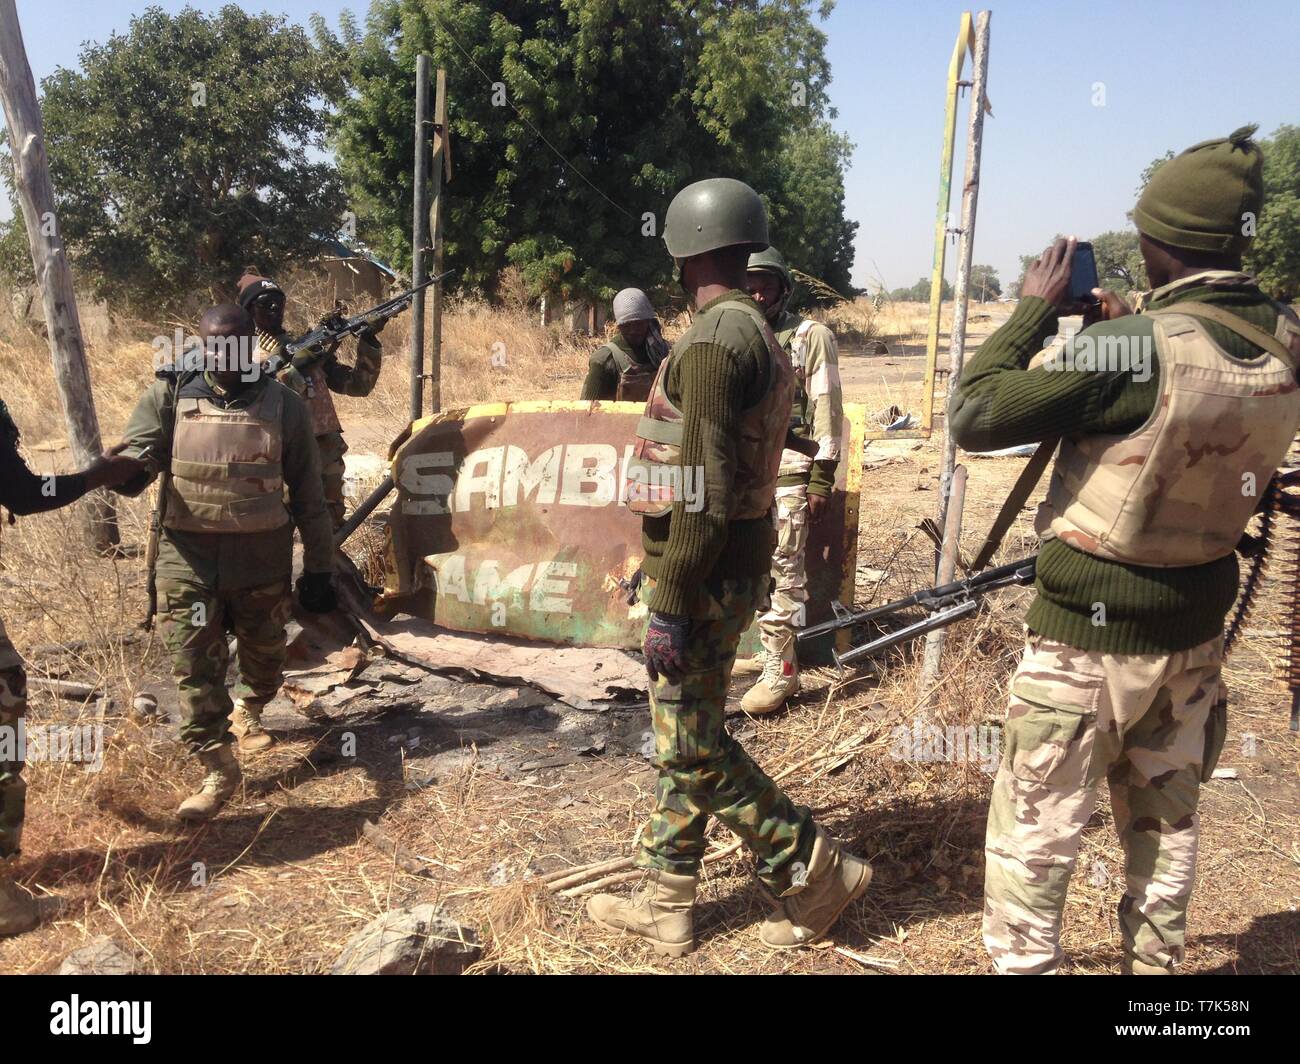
pixel 326 337
pixel 947 603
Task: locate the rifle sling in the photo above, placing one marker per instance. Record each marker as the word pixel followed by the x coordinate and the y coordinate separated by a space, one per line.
pixel 1020 491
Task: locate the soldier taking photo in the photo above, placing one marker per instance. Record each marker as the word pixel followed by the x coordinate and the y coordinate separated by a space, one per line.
pixel 1171 423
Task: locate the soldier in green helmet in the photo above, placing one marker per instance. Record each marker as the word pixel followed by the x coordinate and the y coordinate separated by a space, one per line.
pixel 716 420
pixel 805 482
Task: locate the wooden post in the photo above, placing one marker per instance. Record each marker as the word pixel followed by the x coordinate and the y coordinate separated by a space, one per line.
pixel 31 174
pixel 441 164
pixel 950 499
pixel 421 184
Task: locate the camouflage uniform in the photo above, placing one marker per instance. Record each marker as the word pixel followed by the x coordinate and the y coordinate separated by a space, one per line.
pixel 325 376
pixel 1171 495
pixel 1152 726
pixel 13 708
pixel 703 771
pixel 193 621
pixel 225 555
pixel 818 415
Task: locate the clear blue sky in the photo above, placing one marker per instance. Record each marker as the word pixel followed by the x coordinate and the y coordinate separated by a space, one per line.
pixel 1175 72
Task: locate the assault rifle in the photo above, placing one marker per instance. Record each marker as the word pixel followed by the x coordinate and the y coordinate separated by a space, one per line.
pixel 947 603
pixel 320 341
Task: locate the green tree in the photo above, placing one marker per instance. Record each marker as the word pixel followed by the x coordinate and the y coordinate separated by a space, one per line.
pixel 182 150
pixel 920 292
pixel 574 122
pixel 1119 261
pixel 984 283
pixel 1274 256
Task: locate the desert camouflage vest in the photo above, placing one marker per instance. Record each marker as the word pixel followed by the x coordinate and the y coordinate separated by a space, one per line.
pixel 1180 490
pixel 795 342
pixel 315 389
pixel 226 474
pixel 654 478
pixel 634 378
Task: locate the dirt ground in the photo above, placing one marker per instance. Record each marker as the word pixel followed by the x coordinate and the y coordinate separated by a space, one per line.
pixel 493 789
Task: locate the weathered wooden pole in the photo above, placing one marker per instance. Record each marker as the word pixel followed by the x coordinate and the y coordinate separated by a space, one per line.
pixel 441 164
pixel 31 173
pixel 950 500
pixel 418 242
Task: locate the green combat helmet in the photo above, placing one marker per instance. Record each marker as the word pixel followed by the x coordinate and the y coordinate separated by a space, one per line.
pixel 717 213
pixel 769 260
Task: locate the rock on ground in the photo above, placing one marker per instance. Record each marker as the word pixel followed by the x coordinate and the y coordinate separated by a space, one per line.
pixel 416 941
pixel 99 956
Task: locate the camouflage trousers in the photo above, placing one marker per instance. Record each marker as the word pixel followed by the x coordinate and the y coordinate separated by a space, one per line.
pixel 1152 725
pixel 332 447
pixel 194 621
pixel 785 613
pixel 703 771
pixel 13 707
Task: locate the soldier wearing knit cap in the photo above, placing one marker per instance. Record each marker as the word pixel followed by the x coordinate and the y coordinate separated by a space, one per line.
pixel 1171 422
pixel 314 376
pixel 624 367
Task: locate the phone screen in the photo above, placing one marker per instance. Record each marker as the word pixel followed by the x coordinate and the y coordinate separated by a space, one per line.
pixel 1083 274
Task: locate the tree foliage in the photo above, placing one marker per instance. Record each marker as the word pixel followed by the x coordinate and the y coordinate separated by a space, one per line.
pixel 920 292
pixel 185 149
pixel 574 122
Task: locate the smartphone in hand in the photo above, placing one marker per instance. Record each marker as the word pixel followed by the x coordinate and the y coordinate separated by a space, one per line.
pixel 1083 275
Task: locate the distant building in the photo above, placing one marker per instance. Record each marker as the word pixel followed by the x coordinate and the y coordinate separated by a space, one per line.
pixel 358 276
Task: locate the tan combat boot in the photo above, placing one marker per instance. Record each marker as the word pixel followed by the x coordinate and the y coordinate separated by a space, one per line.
pixel 1133 966
pixel 18 909
pixel 246 726
pixel 750 666
pixel 660 913
pixel 218 785
pixel 780 681
pixel 834 880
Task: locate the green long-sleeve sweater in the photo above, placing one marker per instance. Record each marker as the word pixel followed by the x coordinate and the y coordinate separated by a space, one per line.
pixel 712 383
pixel 999 403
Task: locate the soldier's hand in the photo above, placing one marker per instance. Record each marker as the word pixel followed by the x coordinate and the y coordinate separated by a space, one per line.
pixel 665 646
pixel 817 507
pixel 1049 276
pixel 1109 306
pixel 316 592
pixel 112 470
pixel 374 325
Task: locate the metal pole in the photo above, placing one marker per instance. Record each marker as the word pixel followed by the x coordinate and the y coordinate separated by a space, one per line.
pixel 969 202
pixel 35 194
pixel 421 183
pixel 435 227
pixel 941 219
pixel 947 571
pixel 952 481
pixel 363 511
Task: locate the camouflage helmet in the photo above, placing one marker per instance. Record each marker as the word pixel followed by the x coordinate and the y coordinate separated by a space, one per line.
pixel 717 213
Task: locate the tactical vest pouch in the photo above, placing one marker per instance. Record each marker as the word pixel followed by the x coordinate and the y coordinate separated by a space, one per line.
pixel 226 473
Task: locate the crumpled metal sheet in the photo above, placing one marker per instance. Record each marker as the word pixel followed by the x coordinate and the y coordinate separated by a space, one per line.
pixel 580 676
pixel 508 521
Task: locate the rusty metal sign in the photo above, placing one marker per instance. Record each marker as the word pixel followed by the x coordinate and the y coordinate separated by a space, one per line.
pixel 508 520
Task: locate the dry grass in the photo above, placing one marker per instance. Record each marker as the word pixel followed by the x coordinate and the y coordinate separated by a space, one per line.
pixel 281 880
